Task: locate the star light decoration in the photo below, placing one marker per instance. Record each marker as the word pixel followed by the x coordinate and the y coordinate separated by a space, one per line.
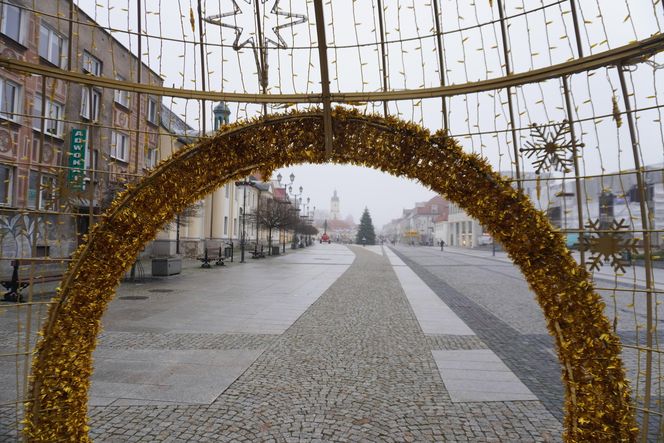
pixel 608 245
pixel 246 9
pixel 551 147
pixel 251 11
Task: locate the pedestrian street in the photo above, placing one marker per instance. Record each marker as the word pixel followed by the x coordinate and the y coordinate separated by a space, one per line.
pixel 327 343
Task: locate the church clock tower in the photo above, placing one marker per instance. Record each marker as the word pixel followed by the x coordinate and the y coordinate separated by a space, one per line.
pixel 334 206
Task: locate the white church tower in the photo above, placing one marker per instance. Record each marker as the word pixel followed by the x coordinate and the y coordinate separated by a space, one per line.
pixel 334 206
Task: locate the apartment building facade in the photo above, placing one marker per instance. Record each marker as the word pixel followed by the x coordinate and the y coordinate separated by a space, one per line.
pixel 65 148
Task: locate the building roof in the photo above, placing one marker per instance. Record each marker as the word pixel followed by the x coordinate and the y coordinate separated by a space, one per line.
pixel 338 225
pixel 427 208
pixel 280 194
pixel 101 28
pixel 264 186
pixel 176 126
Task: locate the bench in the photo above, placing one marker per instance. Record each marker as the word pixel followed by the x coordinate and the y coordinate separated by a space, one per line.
pixel 16 284
pixel 212 254
pixel 258 254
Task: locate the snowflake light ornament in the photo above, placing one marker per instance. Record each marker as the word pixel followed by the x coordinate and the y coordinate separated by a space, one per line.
pixel 551 147
pixel 608 246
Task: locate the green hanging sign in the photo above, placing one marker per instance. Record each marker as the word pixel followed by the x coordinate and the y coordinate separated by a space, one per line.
pixel 78 146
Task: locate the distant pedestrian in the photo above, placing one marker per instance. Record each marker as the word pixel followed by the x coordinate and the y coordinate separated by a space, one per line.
pixel 442 245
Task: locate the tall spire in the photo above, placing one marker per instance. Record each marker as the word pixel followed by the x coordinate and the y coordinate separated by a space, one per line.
pixel 334 206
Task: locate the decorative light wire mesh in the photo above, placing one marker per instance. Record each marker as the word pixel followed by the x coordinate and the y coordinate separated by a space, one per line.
pixel 586 73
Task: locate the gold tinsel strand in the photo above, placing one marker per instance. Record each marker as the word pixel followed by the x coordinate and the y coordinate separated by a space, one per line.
pixel 617 116
pixel 598 406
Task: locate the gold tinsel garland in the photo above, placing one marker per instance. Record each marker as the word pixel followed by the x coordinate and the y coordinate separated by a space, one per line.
pixel 597 402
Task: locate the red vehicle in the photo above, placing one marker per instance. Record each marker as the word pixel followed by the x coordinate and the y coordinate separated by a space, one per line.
pixel 325 238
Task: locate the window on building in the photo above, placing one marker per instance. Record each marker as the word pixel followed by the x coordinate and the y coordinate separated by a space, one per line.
pixel 42 250
pixel 10 100
pixel 226 188
pixel 47 193
pixel 90 103
pixel 52 46
pixel 152 111
pixel 225 225
pixel 12 24
pixel 119 146
pixel 91 64
pixel 634 194
pixel 151 158
pixel 6 185
pixel 91 164
pixel 54 114
pixel 434 209
pixel 33 188
pixel 121 97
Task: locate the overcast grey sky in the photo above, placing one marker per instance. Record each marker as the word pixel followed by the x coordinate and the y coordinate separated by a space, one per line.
pixel 538 39
pixel 383 194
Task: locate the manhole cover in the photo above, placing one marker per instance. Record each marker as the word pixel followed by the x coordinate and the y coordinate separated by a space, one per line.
pixel 134 297
pixel 161 290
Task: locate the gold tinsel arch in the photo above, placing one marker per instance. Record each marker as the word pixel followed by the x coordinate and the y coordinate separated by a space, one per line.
pixel 597 406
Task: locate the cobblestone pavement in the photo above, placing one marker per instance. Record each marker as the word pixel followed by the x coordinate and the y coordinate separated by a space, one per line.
pixel 454 342
pixel 131 340
pixel 519 338
pixel 354 367
pixel 494 300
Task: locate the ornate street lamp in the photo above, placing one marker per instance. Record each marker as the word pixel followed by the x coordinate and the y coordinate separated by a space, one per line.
pixel 296 202
pixel 243 211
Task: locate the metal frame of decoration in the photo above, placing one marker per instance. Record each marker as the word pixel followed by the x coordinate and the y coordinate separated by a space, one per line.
pixel 598 406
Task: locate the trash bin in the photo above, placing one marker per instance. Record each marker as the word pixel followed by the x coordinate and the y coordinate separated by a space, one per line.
pixel 228 252
pixel 275 250
pixel 164 266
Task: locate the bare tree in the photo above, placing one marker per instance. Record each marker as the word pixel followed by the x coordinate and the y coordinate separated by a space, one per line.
pixel 271 215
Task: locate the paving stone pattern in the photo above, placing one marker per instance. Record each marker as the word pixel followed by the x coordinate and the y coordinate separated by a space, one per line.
pixel 354 367
pixel 529 356
pixel 513 315
pixel 181 341
pixel 443 342
pixel 9 422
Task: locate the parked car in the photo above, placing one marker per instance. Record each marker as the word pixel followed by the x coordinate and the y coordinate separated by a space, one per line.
pixel 484 240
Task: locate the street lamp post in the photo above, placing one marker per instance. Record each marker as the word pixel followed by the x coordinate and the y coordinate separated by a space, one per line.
pixel 290 191
pixel 305 217
pixel 311 222
pixel 243 211
pixel 286 188
pixel 295 217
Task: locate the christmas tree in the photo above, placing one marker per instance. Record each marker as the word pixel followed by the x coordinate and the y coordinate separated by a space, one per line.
pixel 365 233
